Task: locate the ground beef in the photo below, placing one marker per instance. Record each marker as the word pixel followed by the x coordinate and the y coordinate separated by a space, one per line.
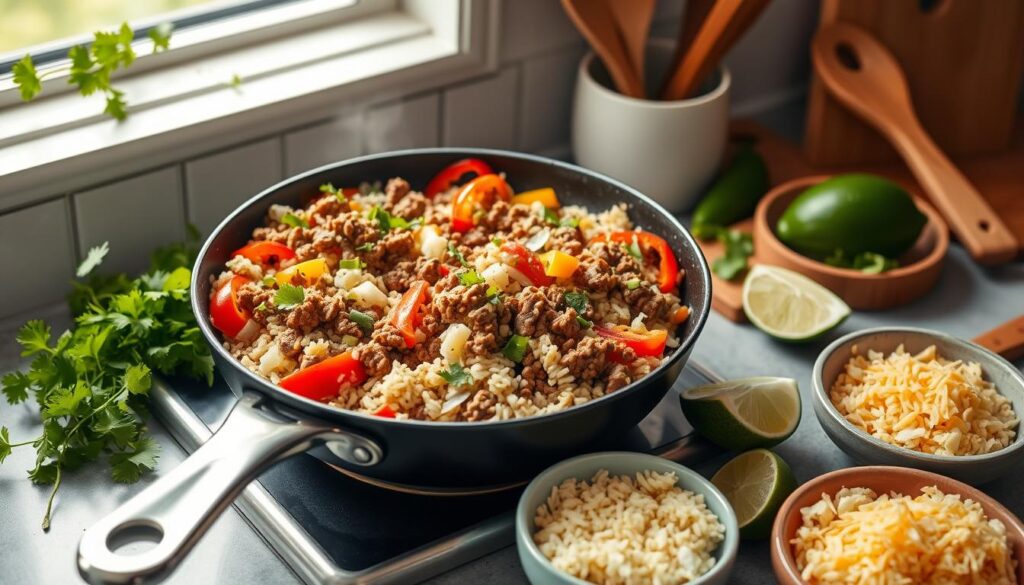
pixel 411 207
pixel 401 277
pixel 534 312
pixel 428 269
pixel 567 324
pixel 277 233
pixel 306 315
pixel 288 343
pixel 594 273
pixel 252 295
pixel 359 231
pixel 396 189
pixel 483 322
pixel 395 246
pixel 647 299
pixel 328 206
pixel 617 378
pixel 567 239
pixel 389 336
pixel 454 304
pixel 617 258
pixel 298 237
pixel 376 359
pixel 480 406
pixel 589 358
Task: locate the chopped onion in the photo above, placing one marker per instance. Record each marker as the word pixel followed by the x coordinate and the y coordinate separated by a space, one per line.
pixel 453 340
pixel 638 322
pixel 538 240
pixel 249 331
pixel 496 275
pixel 367 294
pixel 519 277
pixel 452 403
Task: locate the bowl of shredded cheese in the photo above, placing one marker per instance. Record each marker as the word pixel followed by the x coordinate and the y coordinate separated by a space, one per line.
pixel 923 399
pixel 881 524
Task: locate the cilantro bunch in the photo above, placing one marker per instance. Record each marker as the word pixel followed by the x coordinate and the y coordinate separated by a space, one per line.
pixel 91 382
pixel 90 67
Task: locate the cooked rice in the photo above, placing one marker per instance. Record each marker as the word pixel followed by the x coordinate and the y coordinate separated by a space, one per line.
pixel 860 538
pixel 628 529
pixel 924 402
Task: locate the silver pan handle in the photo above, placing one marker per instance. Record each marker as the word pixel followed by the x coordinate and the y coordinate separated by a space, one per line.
pixel 179 507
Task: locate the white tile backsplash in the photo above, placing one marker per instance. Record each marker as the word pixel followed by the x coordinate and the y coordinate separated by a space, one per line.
pixel 215 185
pixel 38 257
pixel 534 27
pixel 323 144
pixel 548 84
pixel 410 123
pixel 483 113
pixel 135 215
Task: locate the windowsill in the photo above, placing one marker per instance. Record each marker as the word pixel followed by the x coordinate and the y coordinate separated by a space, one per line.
pixel 61 144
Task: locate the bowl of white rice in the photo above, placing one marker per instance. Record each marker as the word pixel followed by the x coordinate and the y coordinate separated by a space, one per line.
pixel 619 517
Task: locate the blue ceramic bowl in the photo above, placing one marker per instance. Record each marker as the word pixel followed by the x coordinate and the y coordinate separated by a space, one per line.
pixel 541 572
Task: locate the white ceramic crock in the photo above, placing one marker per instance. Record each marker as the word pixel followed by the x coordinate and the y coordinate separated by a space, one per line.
pixel 668 150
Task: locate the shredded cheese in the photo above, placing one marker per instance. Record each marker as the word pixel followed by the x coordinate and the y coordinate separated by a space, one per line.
pixel 924 402
pixel 931 539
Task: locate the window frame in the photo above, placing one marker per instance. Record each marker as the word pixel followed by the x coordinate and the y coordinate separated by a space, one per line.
pixel 62 142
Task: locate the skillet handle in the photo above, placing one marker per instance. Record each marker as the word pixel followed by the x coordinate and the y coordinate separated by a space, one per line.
pixel 177 509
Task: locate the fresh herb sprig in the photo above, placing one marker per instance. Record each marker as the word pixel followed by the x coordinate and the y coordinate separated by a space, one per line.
pixel 92 381
pixel 90 67
pixel 738 247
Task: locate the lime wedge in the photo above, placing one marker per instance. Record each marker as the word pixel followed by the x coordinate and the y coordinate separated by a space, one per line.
pixel 745 413
pixel 755 483
pixel 790 306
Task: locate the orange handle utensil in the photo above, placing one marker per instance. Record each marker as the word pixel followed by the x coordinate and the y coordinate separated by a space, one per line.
pixel 594 20
pixel 1007 339
pixel 724 25
pixel 863 75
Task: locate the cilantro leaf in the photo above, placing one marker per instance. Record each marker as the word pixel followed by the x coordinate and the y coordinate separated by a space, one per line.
pixel 161 37
pixel 15 387
pixel 457 255
pixel 388 222
pixel 128 466
pixel 82 73
pixel 34 337
pixel 138 379
pixel 493 295
pixel 469 278
pixel 584 323
pixel 368 246
pixel 294 221
pixel 179 279
pixel 65 401
pixel 550 217
pixel 577 300
pixel 5 444
pixel 115 104
pixel 738 247
pixel 26 78
pixel 289 296
pixel 457 376
pixel 93 258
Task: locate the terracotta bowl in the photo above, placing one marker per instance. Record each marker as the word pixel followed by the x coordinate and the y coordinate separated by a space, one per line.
pixel 919 267
pixel 880 479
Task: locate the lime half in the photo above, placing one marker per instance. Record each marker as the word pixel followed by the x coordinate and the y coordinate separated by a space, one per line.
pixel 790 306
pixel 755 483
pixel 745 413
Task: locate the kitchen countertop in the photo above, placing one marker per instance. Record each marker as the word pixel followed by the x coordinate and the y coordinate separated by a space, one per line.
pixel 967 301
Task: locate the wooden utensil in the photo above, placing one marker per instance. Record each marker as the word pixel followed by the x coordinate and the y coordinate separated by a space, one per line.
pixel 963 60
pixel 725 24
pixel 1007 339
pixel 594 20
pixel 863 75
pixel 633 18
pixel 693 17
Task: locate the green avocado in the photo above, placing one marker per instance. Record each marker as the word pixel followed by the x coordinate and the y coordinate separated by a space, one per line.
pixel 853 213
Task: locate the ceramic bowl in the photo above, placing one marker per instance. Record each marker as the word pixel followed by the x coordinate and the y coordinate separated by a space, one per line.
pixel 917 274
pixel 667 150
pixel 866 449
pixel 879 479
pixel 541 572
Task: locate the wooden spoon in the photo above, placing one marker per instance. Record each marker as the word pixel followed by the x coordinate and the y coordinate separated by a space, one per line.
pixel 595 22
pixel 1007 339
pixel 725 24
pixel 633 20
pixel 693 17
pixel 864 76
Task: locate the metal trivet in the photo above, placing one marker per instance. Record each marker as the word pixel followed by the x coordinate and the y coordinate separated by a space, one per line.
pixel 330 527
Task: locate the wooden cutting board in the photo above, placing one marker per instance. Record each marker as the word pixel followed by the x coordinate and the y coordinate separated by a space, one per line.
pixel 963 60
pixel 999 178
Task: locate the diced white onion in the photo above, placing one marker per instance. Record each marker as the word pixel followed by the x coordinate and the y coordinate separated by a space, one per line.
pixel 518 276
pixel 638 322
pixel 432 243
pixel 272 360
pixel 368 295
pixel 348 278
pixel 453 341
pixel 249 331
pixel 496 275
pixel 452 403
pixel 537 241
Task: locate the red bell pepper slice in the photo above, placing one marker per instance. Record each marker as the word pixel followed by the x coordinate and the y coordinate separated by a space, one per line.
pixel 267 253
pixel 468 199
pixel 224 312
pixel 452 173
pixel 528 263
pixel 323 380
pixel 385 411
pixel 644 343
pixel 405 317
pixel 668 268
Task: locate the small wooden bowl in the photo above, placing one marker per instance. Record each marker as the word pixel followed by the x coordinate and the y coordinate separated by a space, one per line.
pixel 918 271
pixel 881 480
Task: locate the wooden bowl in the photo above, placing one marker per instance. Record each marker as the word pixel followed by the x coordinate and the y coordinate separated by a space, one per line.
pixel 881 480
pixel 918 271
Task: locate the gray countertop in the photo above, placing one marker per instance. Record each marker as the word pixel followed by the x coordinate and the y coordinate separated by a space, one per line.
pixel 967 301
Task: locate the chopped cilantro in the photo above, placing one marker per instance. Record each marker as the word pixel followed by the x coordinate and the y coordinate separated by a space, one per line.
pixel 338 194
pixel 551 217
pixel 352 264
pixel 584 323
pixel 457 376
pixel 294 221
pixel 738 247
pixel 516 347
pixel 578 301
pixel 469 278
pixel 368 246
pixel 92 259
pixel 363 320
pixel 457 254
pixel 497 242
pixel 388 222
pixel 262 308
pixel 493 295
pixel 289 296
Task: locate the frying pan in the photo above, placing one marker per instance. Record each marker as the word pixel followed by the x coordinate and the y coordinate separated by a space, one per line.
pixel 269 424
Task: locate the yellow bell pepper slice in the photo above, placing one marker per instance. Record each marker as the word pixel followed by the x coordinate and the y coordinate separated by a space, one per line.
pixel 310 270
pixel 559 264
pixel 546 196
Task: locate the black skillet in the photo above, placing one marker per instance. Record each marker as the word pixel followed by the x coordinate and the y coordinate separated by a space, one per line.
pixel 269 424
